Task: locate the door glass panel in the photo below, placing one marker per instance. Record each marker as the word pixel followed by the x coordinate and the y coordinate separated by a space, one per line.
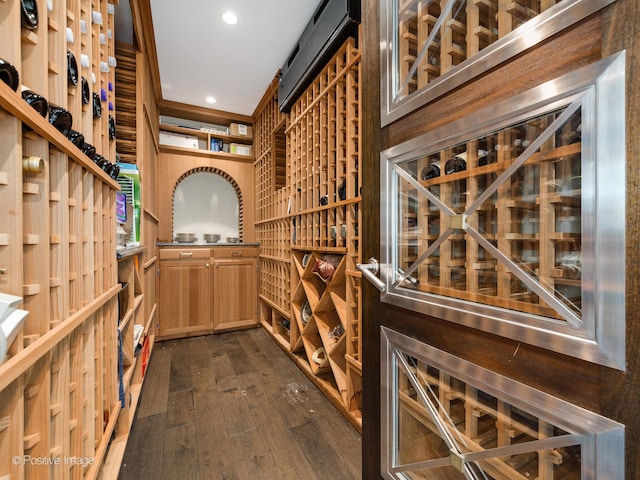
pixel 434 36
pixel 445 418
pixel 513 194
pixel 433 46
pixel 514 223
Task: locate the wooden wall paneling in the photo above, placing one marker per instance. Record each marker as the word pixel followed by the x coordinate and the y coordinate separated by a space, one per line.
pixel 99 140
pixel 110 82
pixel 126 102
pixel 58 243
pixel 11 167
pixel 74 402
pixel 75 236
pixel 97 241
pixel 35 237
pixel 34 54
pixel 87 243
pixel 86 44
pixel 99 363
pixel 59 415
pixel 87 396
pixel 36 414
pixel 57 45
pixel 58 238
pixel 172 166
pixel 12 427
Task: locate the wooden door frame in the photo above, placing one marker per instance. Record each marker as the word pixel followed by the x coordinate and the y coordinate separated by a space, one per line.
pixel 370 322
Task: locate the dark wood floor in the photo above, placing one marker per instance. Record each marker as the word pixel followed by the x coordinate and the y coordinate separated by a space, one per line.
pixel 234 406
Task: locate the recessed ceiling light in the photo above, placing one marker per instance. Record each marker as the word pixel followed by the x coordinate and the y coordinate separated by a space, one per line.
pixel 210 100
pixel 229 18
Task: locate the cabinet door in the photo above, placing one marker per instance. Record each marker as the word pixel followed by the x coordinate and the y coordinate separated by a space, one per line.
pixel 235 293
pixel 185 306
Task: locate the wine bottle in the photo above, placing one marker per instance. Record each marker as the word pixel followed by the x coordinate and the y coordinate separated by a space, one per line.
pixel 61 119
pixel 97 106
pixel 76 138
pixel 29 14
pixel 37 102
pixel 9 74
pixel 89 150
pixel 86 91
pixel 72 69
pixel 112 128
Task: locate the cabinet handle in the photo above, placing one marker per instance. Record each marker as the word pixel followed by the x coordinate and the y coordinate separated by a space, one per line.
pixel 236 254
pixel 186 254
pixel 3 271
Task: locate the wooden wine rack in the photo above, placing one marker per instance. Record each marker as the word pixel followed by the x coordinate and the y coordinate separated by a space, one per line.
pixel 482 422
pixel 533 218
pixel 308 203
pixel 59 399
pixel 470 26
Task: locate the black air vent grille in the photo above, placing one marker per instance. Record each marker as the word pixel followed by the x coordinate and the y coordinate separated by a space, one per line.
pixel 332 22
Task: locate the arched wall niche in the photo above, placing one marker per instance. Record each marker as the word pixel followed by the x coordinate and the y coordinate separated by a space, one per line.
pixel 214 205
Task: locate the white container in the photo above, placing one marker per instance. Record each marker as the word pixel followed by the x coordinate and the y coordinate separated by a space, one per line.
pixel 11 319
pixel 178 140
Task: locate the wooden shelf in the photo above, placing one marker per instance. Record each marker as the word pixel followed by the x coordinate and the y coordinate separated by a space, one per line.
pixel 206 153
pixel 204 135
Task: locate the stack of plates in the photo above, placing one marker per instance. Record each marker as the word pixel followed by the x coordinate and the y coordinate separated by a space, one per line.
pixel 185 237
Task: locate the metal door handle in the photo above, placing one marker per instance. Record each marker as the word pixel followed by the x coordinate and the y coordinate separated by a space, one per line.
pixel 186 254
pixel 369 271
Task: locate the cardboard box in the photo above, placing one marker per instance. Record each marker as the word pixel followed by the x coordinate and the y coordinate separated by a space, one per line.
pixel 241 130
pixel 178 140
pixel 240 149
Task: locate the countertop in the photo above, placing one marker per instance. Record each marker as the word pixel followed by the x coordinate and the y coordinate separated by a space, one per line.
pixel 203 244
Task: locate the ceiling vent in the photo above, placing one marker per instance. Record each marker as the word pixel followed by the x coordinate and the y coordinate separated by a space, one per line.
pixel 331 24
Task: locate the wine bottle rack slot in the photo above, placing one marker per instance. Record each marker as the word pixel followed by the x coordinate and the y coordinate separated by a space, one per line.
pixel 58 384
pixel 307 206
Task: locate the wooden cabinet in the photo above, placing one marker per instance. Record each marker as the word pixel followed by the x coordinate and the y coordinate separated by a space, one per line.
pixel 235 288
pixel 205 290
pixel 185 292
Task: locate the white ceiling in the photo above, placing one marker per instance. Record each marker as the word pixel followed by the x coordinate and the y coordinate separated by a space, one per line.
pixel 200 56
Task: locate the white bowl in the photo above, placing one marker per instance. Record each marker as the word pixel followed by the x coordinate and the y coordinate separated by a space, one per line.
pixel 211 237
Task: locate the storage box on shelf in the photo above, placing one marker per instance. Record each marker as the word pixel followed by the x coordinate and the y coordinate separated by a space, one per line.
pixel 308 206
pixel 231 142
